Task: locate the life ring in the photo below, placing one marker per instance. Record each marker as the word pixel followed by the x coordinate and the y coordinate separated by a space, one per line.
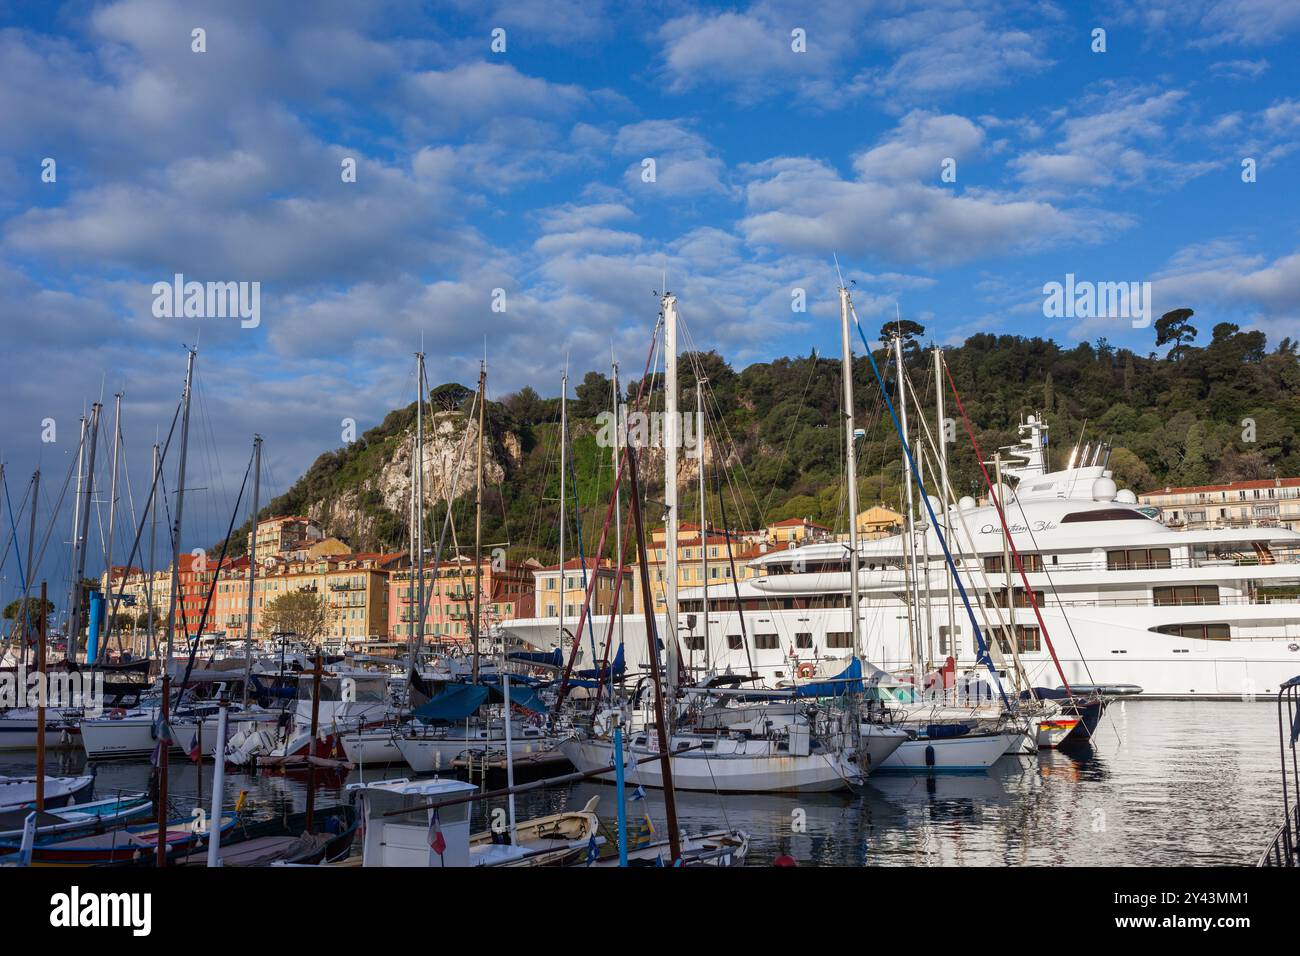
pixel 117 713
pixel 807 669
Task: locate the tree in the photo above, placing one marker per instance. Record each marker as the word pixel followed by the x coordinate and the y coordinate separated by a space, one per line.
pixel 14 611
pixel 303 613
pixel 1174 327
pixel 450 397
pixel 905 329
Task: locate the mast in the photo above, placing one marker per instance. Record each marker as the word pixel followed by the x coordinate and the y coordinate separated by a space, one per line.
pixel 76 521
pixel 670 499
pixel 704 534
pixel 153 550
pixel 478 530
pixel 618 514
pixel 419 506
pixel 74 625
pixel 252 565
pixel 564 425
pixel 944 500
pixel 180 506
pixel 30 571
pixel 915 595
pixel 926 612
pixel 851 467
pixel 102 649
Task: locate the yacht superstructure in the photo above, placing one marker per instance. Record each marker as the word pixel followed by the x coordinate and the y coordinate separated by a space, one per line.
pixel 1126 600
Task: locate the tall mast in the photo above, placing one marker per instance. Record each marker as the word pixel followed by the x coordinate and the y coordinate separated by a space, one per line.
pixel 419 506
pixel 74 626
pixel 252 563
pixel 564 426
pixel 945 500
pixel 76 521
pixel 670 501
pixel 180 507
pixel 704 535
pixel 618 516
pixel 153 551
pixel 30 574
pixel 478 524
pixel 851 467
pixel 913 615
pixel 102 649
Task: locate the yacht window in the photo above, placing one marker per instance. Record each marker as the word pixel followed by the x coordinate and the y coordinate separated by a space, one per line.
pixel 1028 639
pixel 1137 559
pixel 839 639
pixel 695 642
pixel 766 642
pixel 735 642
pixel 995 565
pixel 803 641
pixel 1205 632
pixel 1186 594
pixel 1104 514
pixel 999 598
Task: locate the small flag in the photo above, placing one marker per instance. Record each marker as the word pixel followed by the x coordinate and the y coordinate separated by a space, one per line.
pixel 195 751
pixel 436 840
pixel 592 850
pixel 638 793
pixel 659 860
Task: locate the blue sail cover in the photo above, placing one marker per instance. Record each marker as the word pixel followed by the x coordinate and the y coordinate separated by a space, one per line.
pixel 553 658
pixel 525 698
pixel 848 681
pixel 618 666
pixel 456 702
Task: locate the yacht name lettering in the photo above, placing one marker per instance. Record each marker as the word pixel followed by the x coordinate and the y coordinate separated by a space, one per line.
pixel 1017 528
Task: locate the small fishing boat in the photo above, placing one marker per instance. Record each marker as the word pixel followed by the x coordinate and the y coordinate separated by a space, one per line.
pixel 557 839
pixel 719 848
pixel 18 729
pixel 124 845
pixel 284 840
pixel 952 749
pixel 77 820
pixel 17 793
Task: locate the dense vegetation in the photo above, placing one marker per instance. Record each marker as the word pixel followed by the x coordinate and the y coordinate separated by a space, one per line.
pixel 1226 410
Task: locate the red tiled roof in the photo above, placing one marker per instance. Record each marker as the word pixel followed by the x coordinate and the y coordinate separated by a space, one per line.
pixel 1231 486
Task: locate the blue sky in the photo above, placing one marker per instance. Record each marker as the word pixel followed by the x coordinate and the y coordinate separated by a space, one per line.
pixel 521 170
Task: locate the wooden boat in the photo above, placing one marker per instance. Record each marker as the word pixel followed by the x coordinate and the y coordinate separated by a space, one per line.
pixel 124 845
pixel 554 840
pixel 18 793
pixel 283 840
pixel 81 819
pixel 718 848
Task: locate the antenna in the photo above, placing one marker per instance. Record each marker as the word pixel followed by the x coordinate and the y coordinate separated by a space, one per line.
pixel 838 274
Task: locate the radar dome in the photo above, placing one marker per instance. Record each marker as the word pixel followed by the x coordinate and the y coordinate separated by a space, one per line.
pixel 966 503
pixel 1103 489
pixel 1126 497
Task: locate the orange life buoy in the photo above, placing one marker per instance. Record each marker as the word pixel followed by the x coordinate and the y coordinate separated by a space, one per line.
pixel 117 713
pixel 807 670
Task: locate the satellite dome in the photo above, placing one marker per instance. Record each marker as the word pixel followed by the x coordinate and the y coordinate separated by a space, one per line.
pixel 966 503
pixel 1126 497
pixel 1103 489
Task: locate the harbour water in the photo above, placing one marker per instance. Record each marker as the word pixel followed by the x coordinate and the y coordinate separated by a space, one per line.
pixel 1166 783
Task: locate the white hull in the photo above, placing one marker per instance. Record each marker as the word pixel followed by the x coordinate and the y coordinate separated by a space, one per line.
pixel 372 748
pixel 972 753
pixel 19 733
pixel 133 736
pixel 761 773
pixel 1114 646
pixel 430 754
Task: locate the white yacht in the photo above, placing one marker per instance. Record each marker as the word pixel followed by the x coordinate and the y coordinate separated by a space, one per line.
pixel 1129 603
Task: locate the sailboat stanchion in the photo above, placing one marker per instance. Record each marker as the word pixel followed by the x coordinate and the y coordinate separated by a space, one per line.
pixel 164 748
pixel 619 788
pixel 40 700
pixel 218 785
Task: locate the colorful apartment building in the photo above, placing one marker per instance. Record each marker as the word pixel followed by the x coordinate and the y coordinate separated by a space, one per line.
pixel 506 591
pixel 284 535
pixel 705 559
pixel 572 591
